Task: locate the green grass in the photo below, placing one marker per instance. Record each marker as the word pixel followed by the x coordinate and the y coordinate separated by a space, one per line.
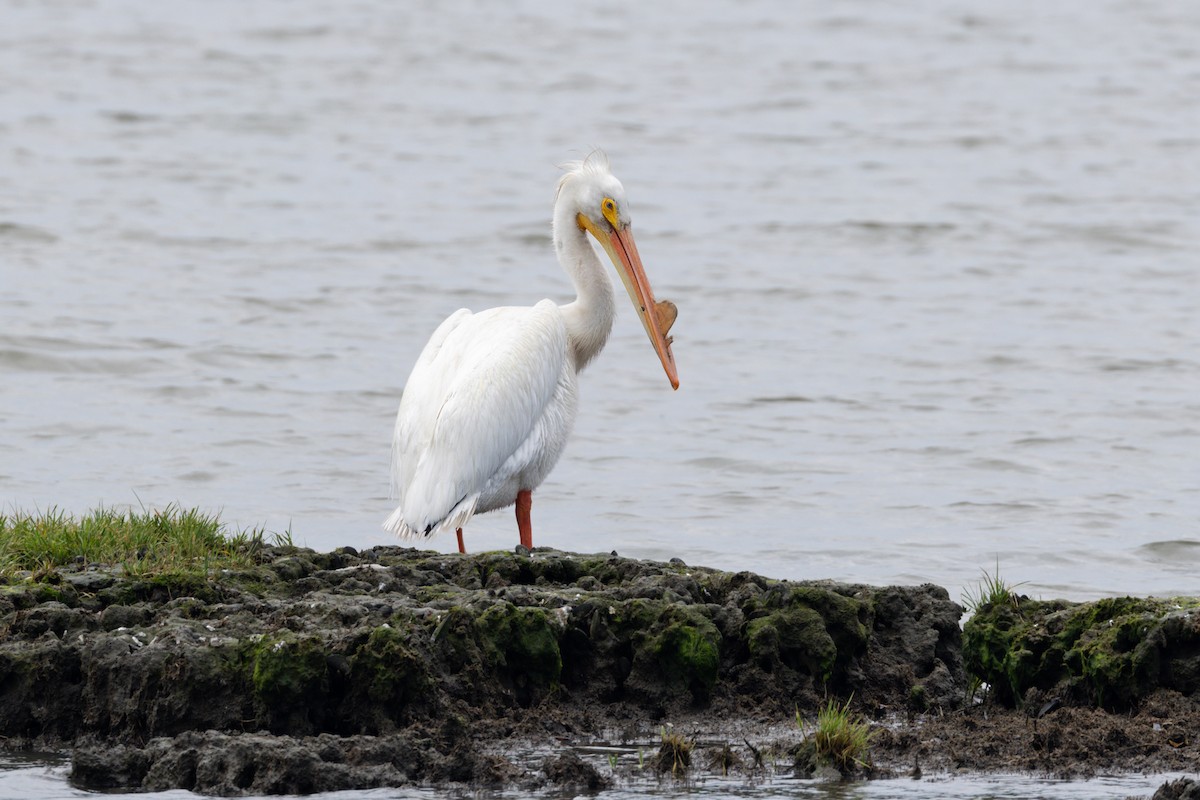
pixel 990 591
pixel 841 738
pixel 145 542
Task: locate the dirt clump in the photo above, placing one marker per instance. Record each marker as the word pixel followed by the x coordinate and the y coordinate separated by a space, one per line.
pixel 1182 789
pixel 569 771
pixel 1067 742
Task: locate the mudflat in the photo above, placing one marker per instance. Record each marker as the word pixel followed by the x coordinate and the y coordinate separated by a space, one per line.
pixel 392 666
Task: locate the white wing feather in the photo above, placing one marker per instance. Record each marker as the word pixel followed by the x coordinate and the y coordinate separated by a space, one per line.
pixel 473 398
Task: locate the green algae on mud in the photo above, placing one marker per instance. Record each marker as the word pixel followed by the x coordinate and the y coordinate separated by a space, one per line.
pixel 1111 652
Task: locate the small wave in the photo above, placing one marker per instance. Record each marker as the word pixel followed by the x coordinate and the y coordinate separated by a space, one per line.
pixel 1001 360
pixel 129 117
pixel 389 245
pixel 1160 237
pixel 244 413
pixel 64 430
pixel 787 398
pixel 29 361
pixel 1037 441
pixel 201 242
pixel 879 230
pixel 232 356
pixel 1171 550
pixel 1144 365
pixel 177 392
pixel 973 142
pixel 1009 506
pixel 25 233
pixel 1001 465
pixel 197 476
pixel 929 450
pixel 58 344
pixel 285 34
pixel 741 466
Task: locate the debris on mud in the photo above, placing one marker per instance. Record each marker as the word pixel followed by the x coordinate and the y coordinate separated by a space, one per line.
pixel 320 671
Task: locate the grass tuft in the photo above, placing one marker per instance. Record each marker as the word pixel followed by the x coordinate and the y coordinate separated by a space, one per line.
pixel 147 542
pixel 841 738
pixel 674 753
pixel 724 760
pixel 990 591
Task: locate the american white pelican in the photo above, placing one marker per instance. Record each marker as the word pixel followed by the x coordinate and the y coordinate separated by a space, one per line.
pixel 490 402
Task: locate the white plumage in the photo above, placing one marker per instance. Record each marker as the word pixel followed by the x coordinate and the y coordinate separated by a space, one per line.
pixel 489 405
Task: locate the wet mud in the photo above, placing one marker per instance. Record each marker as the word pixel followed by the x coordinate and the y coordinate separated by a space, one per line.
pixel 390 667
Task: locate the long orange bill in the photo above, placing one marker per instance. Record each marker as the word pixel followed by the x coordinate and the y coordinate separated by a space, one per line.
pixel 657 318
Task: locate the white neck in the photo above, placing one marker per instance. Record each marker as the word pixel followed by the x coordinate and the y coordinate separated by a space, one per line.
pixel 590 317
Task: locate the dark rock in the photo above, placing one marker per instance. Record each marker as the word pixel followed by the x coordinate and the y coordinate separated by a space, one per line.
pixel 221 764
pixel 569 771
pixel 122 616
pixel 90 581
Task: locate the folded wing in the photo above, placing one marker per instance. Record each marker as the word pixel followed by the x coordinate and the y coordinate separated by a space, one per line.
pixel 473 398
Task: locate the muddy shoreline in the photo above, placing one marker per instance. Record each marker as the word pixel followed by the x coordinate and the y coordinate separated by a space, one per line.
pixel 391 667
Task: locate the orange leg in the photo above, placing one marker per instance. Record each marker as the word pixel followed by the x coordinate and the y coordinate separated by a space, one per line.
pixel 524 504
pixel 461 547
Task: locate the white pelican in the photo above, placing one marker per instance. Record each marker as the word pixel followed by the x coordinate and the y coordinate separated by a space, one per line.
pixel 490 402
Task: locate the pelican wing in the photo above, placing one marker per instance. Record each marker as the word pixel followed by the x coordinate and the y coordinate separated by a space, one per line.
pixel 472 400
pixel 424 389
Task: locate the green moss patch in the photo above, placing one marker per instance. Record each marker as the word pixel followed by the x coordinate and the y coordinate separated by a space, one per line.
pixel 675 646
pixel 388 668
pixel 808 628
pixel 524 645
pixel 688 652
pixel 793 636
pixel 288 671
pixel 1110 652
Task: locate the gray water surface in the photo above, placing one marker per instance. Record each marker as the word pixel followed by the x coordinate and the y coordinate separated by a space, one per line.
pixel 21 779
pixel 936 269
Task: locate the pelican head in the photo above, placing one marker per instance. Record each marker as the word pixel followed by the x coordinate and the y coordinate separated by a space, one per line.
pixel 601 209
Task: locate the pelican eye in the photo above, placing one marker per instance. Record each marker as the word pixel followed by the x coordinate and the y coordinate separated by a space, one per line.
pixel 609 208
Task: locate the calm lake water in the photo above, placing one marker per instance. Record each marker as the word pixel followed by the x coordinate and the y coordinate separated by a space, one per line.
pixel 936 269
